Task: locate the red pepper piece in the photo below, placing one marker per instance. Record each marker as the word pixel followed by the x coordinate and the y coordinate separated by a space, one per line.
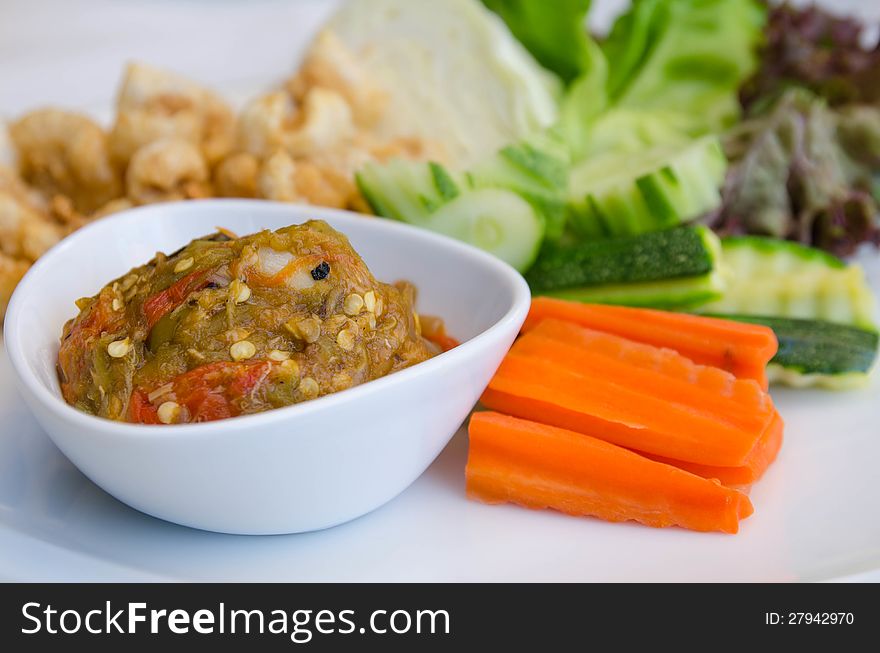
pixel 162 303
pixel 208 393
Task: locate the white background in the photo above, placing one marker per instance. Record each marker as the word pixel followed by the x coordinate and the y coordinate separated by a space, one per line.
pixel 816 511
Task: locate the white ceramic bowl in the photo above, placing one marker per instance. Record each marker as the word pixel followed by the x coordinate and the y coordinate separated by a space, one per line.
pixel 289 470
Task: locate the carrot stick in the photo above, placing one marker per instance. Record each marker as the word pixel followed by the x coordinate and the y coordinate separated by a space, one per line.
pixel 538 466
pixel 663 373
pixel 760 458
pixel 741 349
pixel 618 411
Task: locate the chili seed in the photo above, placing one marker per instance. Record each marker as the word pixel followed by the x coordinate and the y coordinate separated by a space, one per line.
pixel 277 355
pixel 309 387
pixel 353 304
pixel 306 329
pixel 311 329
pixel 345 339
pixel 183 264
pixel 119 348
pixel 240 291
pixel 242 350
pixel 168 412
pixel 370 301
pixel 291 367
pixel 117 304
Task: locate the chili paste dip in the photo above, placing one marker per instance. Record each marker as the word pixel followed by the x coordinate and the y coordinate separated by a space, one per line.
pixel 230 326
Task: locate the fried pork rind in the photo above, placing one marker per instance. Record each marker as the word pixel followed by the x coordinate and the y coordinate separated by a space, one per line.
pixel 166 170
pixel 11 272
pixel 366 147
pixel 326 124
pixel 12 184
pixel 276 179
pixel 276 122
pixel 283 179
pixel 304 143
pixel 264 123
pixel 173 139
pixel 64 153
pixel 236 176
pixel 155 104
pixel 331 65
pixel 324 185
pixel 26 231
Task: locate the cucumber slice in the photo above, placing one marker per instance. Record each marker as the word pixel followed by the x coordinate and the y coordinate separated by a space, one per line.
pixel 780 255
pixel 676 268
pixel 818 353
pixel 779 375
pixel 670 294
pixel 537 172
pixel 621 194
pixel 406 191
pixel 777 278
pixel 527 180
pixel 496 220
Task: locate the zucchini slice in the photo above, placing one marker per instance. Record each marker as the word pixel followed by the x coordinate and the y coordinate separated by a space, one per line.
pixel 818 353
pixel 778 278
pixel 676 268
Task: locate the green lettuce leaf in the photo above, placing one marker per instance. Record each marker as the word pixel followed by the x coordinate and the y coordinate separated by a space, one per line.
pixel 668 72
pixel 684 55
pixel 554 32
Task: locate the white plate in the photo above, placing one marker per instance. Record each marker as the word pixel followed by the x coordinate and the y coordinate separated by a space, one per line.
pixel 817 511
